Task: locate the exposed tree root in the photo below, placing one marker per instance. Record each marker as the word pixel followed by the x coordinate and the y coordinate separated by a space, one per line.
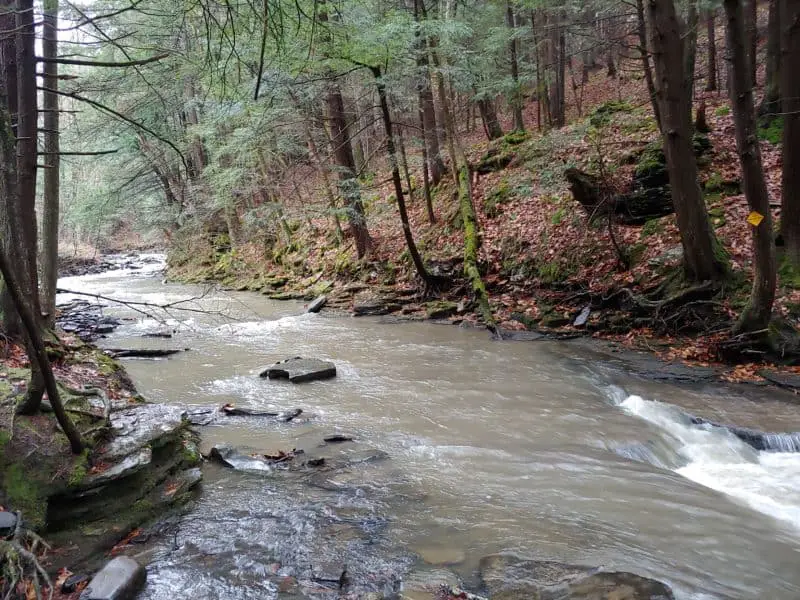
pixel 20 561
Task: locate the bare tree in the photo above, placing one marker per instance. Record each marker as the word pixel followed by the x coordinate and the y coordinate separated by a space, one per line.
pixel 702 256
pixel 790 94
pixel 757 315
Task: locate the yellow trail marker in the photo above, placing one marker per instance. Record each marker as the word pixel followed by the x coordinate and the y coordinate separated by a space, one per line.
pixel 755 218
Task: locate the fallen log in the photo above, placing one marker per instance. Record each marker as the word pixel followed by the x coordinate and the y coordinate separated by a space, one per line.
pixel 143 352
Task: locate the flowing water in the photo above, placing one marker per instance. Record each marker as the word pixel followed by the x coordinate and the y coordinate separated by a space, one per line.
pixel 538 448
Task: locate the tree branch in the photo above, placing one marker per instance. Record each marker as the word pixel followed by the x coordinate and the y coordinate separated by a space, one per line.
pixel 92 63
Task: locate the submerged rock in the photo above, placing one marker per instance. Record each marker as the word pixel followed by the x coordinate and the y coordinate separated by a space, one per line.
pixel 120 579
pixel 514 578
pixel 299 370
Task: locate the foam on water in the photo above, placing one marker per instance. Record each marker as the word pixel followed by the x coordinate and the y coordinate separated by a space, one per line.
pixel 768 482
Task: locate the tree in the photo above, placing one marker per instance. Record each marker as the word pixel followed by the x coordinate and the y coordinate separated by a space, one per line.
pixel 790 96
pixel 516 94
pixel 702 255
pixel 758 313
pixel 751 43
pixel 711 56
pixel 52 172
pixel 770 103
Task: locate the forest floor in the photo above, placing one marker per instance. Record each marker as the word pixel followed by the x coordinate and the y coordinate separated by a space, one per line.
pixel 544 263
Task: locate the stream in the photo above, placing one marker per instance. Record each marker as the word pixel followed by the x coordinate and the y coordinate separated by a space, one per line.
pixel 542 448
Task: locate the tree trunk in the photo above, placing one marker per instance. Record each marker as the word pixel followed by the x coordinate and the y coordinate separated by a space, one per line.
pixel 711 67
pixel 346 167
pixel 401 143
pixel 690 49
pixel 398 184
pixel 557 60
pixel 702 254
pixel 751 32
pixel 790 94
pixel 516 94
pixel 41 372
pixel 430 128
pixel 27 150
pixel 757 314
pixel 771 103
pixel 641 31
pixel 489 117
pixel 52 159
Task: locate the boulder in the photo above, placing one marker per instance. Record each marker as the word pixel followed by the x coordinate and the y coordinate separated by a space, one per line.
pixel 317 305
pixel 120 579
pixel 127 466
pixel 299 370
pixel 509 577
pixel 8 521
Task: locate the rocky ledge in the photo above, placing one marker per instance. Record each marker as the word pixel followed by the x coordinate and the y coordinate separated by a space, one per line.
pixel 147 465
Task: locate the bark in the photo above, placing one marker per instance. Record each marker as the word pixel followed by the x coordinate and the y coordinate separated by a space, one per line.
pixel 419 265
pixel 770 104
pixel 757 314
pixel 51 174
pixel 346 167
pixel 430 129
pixel 703 258
pixel 557 62
pixel 751 32
pixel 401 143
pixel 641 30
pixel 790 94
pixel 711 66
pixel 447 113
pixel 516 95
pixel 690 48
pixel 489 118
pixel 27 151
pixel 8 99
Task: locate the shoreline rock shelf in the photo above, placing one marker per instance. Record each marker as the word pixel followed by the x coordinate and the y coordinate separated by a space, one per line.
pixel 300 370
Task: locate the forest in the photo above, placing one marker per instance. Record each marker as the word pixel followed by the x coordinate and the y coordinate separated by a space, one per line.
pixel 622 169
pixel 401 144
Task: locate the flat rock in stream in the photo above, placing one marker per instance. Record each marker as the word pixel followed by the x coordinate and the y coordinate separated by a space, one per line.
pixel 136 427
pixel 511 577
pixel 120 579
pixel 300 370
pixel 230 457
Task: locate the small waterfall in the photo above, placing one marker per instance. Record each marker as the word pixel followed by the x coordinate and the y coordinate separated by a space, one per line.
pixel 760 469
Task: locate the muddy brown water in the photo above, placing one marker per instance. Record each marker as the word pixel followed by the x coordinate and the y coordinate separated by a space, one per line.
pixel 492 446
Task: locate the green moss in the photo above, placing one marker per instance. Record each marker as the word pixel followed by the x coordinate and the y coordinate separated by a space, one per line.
pixel 558 216
pixel 716 184
pixel 106 364
pixel 79 469
pixel 440 309
pixel 788 274
pixel 772 132
pixel 549 272
pixel 515 138
pixel 496 198
pixel 722 111
pixel 717 216
pixel 651 227
pixel 635 252
pixel 25 494
pixel 601 115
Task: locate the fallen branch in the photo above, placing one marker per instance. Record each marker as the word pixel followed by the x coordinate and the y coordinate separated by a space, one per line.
pixel 142 352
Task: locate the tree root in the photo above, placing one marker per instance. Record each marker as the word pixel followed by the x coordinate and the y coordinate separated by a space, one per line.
pixel 19 560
